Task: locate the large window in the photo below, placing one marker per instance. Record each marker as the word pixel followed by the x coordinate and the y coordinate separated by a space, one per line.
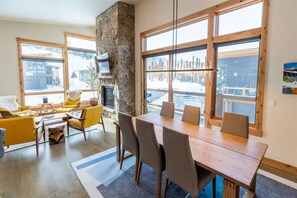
pixel 237 79
pixel 42 73
pixel 43 69
pixel 180 82
pixel 194 31
pixel 218 64
pixel 81 59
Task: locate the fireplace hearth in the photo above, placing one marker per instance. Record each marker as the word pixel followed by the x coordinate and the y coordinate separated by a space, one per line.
pixel 108 96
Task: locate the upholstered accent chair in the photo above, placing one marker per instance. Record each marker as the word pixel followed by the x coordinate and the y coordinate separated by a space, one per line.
pixel 2 134
pixel 89 117
pixel 150 151
pixel 191 115
pixel 21 130
pixel 130 139
pixel 167 109
pixel 235 124
pixel 73 101
pixel 180 166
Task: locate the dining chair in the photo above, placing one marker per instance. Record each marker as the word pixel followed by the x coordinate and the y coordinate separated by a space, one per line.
pixel 150 151
pixel 191 114
pixel 167 109
pixel 130 139
pixel 180 166
pixel 235 124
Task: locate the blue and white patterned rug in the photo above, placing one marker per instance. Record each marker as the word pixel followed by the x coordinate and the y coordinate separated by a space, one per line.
pixel 101 176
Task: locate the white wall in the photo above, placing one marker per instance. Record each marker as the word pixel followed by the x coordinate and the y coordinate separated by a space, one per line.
pixel 9 72
pixel 280 121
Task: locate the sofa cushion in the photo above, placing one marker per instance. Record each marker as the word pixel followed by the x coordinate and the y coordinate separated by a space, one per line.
pixel 9 103
pixel 5 114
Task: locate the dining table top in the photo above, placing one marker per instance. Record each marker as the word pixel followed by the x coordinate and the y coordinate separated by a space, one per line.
pixel 234 158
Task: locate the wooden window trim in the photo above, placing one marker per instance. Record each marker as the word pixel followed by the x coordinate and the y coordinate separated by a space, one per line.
pixel 22 57
pixel 79 36
pixel 64 59
pixel 37 42
pixel 151 33
pixel 212 14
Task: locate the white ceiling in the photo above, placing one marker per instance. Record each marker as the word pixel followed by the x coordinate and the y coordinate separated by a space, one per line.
pixel 64 12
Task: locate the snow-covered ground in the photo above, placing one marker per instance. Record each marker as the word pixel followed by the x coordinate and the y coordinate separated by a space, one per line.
pixel 290 85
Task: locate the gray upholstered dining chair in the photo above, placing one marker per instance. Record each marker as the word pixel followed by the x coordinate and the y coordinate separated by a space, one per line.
pixel 167 109
pixel 235 124
pixel 150 151
pixel 180 166
pixel 191 114
pixel 2 134
pixel 130 140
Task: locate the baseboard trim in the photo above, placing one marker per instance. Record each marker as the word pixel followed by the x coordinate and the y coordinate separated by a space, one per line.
pixel 280 169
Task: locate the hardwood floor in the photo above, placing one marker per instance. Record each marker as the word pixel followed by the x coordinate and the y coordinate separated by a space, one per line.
pixel 22 174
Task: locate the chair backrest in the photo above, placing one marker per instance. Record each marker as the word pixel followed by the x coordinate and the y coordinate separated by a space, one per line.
pixel 130 140
pixel 73 97
pixel 191 114
pixel 180 166
pixel 150 152
pixel 167 109
pixel 235 124
pixel 92 115
pixel 18 130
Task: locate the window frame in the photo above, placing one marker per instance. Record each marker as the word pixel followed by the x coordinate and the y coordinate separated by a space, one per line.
pixel 21 58
pixel 64 60
pixel 79 36
pixel 213 38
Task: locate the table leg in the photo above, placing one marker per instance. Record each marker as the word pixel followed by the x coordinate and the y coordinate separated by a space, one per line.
pixel 251 193
pixel 118 143
pixel 231 190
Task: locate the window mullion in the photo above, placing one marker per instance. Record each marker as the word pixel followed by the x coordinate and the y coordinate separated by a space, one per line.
pixel 170 65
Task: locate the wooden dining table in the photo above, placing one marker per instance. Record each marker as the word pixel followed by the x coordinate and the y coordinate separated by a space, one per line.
pixel 234 158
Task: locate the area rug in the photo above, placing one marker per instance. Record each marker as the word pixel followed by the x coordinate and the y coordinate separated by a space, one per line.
pixel 101 176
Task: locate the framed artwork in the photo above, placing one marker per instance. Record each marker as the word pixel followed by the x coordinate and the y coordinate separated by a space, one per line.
pixel 290 78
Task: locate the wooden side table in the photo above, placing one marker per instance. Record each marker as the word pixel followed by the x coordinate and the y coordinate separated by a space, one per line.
pixel 44 108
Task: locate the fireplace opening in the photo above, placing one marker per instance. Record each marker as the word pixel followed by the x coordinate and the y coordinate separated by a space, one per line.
pixel 108 97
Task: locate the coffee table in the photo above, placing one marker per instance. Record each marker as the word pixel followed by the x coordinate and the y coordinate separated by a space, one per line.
pixel 52 119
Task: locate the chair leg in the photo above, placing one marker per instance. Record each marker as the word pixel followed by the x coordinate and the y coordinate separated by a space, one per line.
pixel 139 172
pixel 102 122
pixel 214 188
pixel 84 132
pixel 159 184
pixel 37 146
pixel 122 158
pixel 68 129
pixel 165 187
pixel 136 168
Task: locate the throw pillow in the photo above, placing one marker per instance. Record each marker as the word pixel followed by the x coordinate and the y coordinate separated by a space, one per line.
pixel 9 103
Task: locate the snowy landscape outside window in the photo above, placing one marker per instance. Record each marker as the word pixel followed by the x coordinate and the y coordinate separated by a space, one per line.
pixel 43 73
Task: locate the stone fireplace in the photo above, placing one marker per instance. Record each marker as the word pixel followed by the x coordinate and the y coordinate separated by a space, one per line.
pixel 115 36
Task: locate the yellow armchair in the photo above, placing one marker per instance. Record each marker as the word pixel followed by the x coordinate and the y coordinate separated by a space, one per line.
pixel 90 116
pixel 21 130
pixel 73 101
